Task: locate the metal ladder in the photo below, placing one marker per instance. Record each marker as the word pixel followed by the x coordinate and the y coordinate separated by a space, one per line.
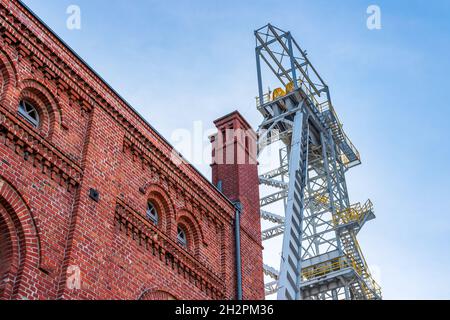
pixel 360 289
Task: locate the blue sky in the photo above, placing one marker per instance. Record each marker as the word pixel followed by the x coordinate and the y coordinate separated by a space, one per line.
pixel 178 62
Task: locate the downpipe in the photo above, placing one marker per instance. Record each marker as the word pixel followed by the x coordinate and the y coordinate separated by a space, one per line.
pixel 237 238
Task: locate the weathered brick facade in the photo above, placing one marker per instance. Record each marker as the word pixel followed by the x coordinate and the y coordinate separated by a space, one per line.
pixel 88 139
pixel 235 167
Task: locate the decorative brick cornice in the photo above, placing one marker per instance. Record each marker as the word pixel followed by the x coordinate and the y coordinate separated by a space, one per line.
pixel 89 90
pixel 134 225
pixel 151 156
pixel 29 46
pixel 35 148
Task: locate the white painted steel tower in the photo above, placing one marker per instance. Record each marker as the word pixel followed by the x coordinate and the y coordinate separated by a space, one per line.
pixel 321 258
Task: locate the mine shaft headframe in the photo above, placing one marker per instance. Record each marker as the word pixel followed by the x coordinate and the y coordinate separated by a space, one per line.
pixel 293 74
pixel 288 63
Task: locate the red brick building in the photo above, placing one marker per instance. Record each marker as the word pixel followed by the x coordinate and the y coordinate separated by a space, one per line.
pixel 93 204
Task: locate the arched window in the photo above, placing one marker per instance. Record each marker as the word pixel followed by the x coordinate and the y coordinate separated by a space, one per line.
pixel 181 237
pixel 152 213
pixel 6 253
pixel 29 112
pixel 156 295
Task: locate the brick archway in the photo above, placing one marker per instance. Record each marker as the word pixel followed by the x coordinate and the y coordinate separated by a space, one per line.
pixel 19 243
pixel 193 227
pixel 41 98
pixel 156 295
pixel 7 75
pixel 159 197
pixel 9 254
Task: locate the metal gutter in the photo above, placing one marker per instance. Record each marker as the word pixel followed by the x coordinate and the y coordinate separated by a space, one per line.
pixel 237 237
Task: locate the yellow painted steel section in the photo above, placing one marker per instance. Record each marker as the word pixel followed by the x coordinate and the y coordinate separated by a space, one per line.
pixel 368 286
pixel 290 87
pixel 355 213
pixel 320 270
pixel 322 199
pixel 278 93
pixel 337 126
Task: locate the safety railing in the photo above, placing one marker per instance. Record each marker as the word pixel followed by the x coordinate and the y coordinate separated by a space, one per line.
pixel 316 271
pixel 357 212
pixel 266 99
pixel 349 145
pixel 321 107
pixel 336 264
pixel 369 287
pixel 346 143
pixel 354 213
pixel 356 266
pixel 365 274
pixel 373 290
pixel 281 92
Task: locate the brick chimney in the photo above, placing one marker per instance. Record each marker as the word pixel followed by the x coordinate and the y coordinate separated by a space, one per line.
pixel 234 165
pixel 235 173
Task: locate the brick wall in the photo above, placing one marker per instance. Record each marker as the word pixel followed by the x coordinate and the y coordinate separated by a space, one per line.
pixel 59 243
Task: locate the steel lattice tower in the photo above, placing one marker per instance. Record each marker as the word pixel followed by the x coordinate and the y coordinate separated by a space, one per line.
pixel 321 258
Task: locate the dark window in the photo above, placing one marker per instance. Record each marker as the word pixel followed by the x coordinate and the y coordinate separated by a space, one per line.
pixel 29 112
pixel 152 213
pixel 181 237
